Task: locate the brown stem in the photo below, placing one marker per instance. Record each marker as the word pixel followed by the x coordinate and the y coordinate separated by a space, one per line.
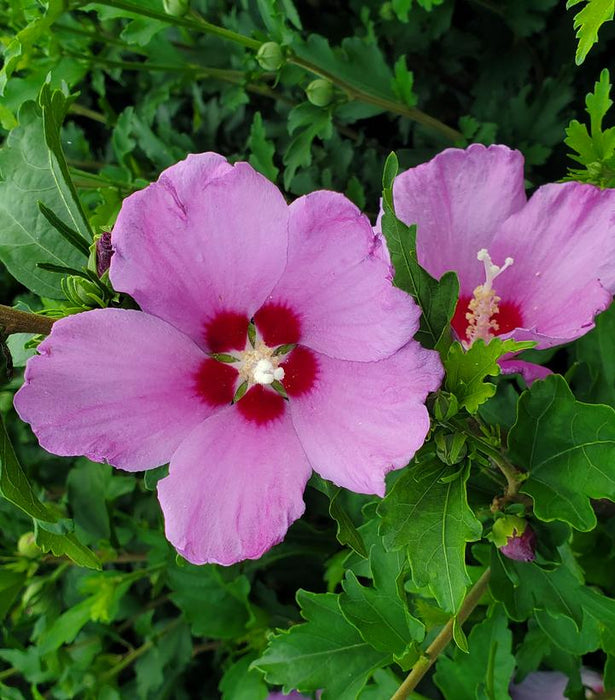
pixel 441 641
pixel 15 321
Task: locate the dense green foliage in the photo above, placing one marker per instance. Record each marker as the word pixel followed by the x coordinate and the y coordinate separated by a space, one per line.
pixel 97 99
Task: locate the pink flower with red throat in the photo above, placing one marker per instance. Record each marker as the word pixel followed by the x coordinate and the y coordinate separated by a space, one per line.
pixel 537 269
pixel 239 293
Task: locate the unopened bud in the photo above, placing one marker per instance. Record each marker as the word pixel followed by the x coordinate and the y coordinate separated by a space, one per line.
pixel 451 447
pixel 176 8
pixel 445 406
pixel 319 92
pixel 27 547
pixel 270 56
pixel 514 538
pixel 104 251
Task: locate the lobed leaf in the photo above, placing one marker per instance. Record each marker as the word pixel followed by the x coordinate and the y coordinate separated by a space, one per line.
pixel 324 652
pixel 431 519
pixel 437 298
pixel 588 21
pixel 466 370
pixel 568 450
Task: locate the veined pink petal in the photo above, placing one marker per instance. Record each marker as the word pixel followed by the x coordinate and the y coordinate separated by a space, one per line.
pixel 361 420
pixel 114 385
pixel 205 238
pixel 338 282
pixel 457 200
pixel 234 488
pixel 563 246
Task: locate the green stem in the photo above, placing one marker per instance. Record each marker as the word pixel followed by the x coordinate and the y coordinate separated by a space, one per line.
pixel 195 21
pixel 389 105
pixel 132 656
pixel 86 112
pixel 442 640
pixel 14 321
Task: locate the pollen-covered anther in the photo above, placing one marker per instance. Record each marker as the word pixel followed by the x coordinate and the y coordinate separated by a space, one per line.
pixel 484 305
pixel 259 365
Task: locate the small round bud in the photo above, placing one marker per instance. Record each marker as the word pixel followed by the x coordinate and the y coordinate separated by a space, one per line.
pixel 176 8
pixel 270 56
pixel 27 547
pixel 319 92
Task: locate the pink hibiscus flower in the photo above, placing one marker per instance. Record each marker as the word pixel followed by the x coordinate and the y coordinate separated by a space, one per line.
pixel 299 297
pixel 530 270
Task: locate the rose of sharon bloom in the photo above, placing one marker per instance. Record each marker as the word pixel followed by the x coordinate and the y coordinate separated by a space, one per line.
pixel 239 293
pixel 530 270
pixel 550 685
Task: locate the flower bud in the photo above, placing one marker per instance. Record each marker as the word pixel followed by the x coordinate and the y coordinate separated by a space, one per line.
pixel 81 292
pixel 451 447
pixel 270 56
pixel 320 92
pixel 176 8
pixel 514 538
pixel 104 251
pixel 445 406
pixel 27 547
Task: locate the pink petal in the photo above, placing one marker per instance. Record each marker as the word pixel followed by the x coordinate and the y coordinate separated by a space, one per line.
pixel 234 488
pixel 361 420
pixel 115 385
pixel 207 237
pixel 339 283
pixel 457 200
pixel 563 243
pixel 528 370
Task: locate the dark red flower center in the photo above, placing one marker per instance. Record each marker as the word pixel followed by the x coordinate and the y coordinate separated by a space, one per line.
pixel 508 317
pixel 276 326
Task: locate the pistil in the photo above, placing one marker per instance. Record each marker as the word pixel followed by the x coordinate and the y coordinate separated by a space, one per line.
pixel 484 305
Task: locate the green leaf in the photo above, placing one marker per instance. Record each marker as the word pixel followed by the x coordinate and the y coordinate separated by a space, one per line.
pixel 347 533
pixel 568 450
pixel 15 487
pixel 380 612
pixel 20 45
pixel 11 583
pixel 65 545
pixel 588 21
pixel 261 150
pixel 240 682
pixel 26 236
pixel 66 627
pixel 594 147
pixel 466 370
pixel 214 604
pixel 65 231
pixel 486 670
pixel 325 652
pixel 310 122
pixel 55 104
pixel 526 588
pixel 594 380
pixel 437 299
pixel 433 521
pixel 356 64
pixel 403 83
